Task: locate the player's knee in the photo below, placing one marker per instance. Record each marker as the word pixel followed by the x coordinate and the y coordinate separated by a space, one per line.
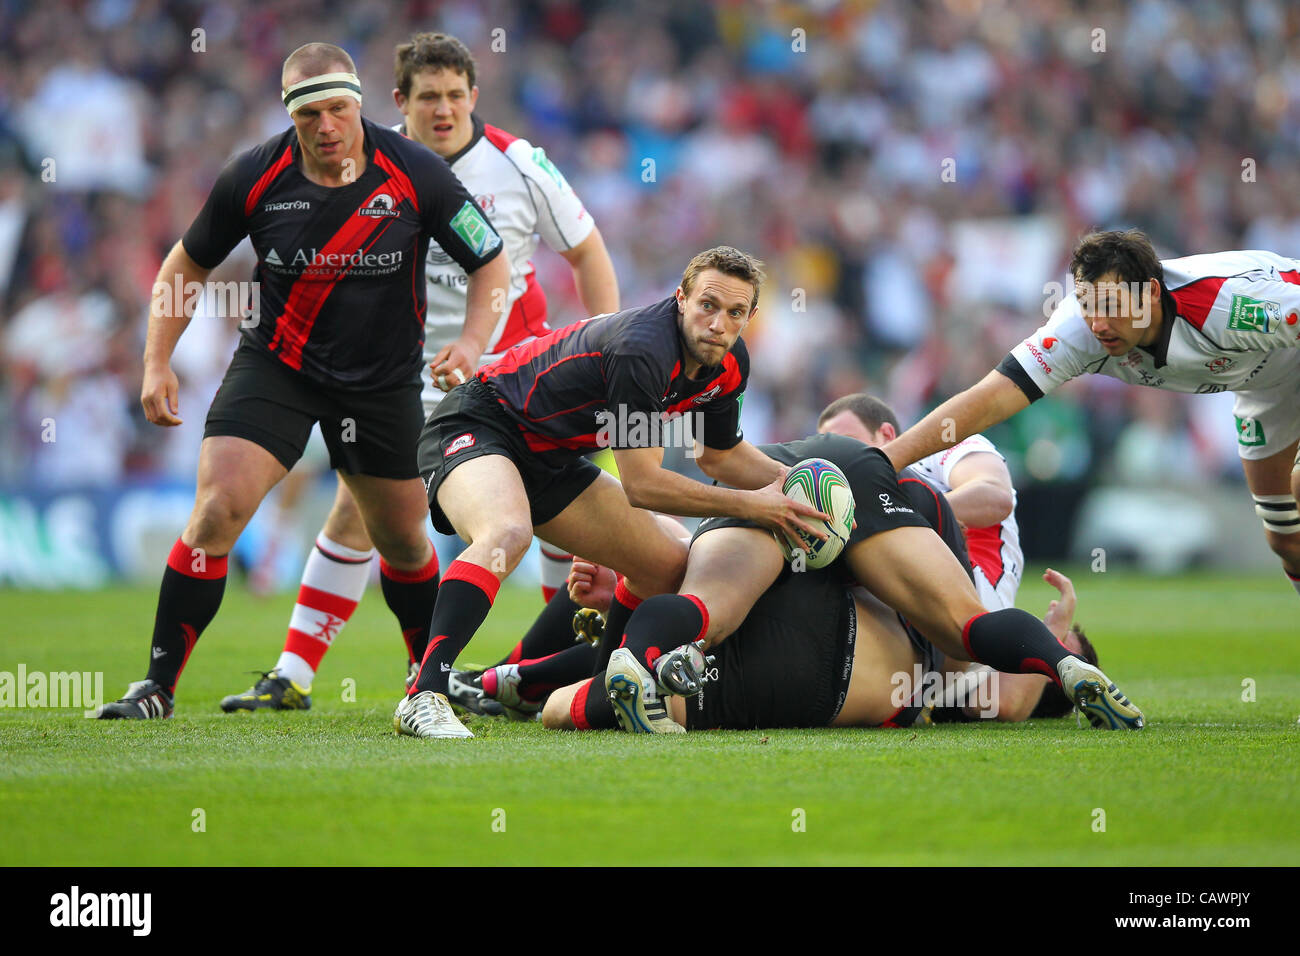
pixel 511 540
pixel 663 574
pixel 217 520
pixel 1286 547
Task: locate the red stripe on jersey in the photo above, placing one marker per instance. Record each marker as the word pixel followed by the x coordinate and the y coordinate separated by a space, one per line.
pixel 521 355
pixel 307 296
pixel 398 181
pixel 537 442
pixel 1291 276
pixel 729 380
pixel 498 137
pixel 985 548
pixel 527 317
pixel 268 177
pixel 1197 298
pixel 546 371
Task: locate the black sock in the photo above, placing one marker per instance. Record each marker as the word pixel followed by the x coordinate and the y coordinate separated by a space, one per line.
pixel 620 612
pixel 192 586
pixel 591 709
pixel 550 633
pixel 464 599
pixel 539 677
pixel 1014 641
pixel 411 596
pixel 663 622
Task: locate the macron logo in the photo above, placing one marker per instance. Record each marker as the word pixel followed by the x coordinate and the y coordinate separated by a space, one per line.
pixel 103 909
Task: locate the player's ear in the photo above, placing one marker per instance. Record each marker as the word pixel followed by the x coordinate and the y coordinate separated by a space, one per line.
pixel 681 298
pixel 400 100
pixel 473 98
pixel 887 431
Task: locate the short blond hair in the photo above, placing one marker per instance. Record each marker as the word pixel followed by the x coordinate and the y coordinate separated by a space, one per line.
pixel 729 261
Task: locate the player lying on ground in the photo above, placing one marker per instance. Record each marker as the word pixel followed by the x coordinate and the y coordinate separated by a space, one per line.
pixel 972 475
pixel 815 653
pixel 893 552
pixel 524 196
pixel 741 555
pixel 1226 321
pixel 502 457
pixel 340 212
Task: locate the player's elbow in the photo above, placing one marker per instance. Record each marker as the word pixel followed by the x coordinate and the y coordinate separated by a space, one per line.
pixel 999 503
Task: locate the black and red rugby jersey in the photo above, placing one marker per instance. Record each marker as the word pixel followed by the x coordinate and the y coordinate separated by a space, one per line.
pixel 628 365
pixel 341 269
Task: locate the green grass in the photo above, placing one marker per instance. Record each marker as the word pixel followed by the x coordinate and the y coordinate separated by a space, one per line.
pixel 1213 779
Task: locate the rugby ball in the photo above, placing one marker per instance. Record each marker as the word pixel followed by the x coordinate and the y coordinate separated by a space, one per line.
pixel 817 482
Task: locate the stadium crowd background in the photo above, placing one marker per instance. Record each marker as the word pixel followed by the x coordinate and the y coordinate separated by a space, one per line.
pixel 913 174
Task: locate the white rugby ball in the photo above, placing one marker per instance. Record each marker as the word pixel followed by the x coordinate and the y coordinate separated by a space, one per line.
pixel 817 482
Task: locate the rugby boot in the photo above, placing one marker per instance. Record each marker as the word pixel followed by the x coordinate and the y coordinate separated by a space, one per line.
pixel 682 670
pixel 638 705
pixel 1097 698
pixel 427 715
pixel 272 692
pixel 143 700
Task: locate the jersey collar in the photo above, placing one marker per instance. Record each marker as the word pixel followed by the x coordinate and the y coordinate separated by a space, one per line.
pixel 473 140
pixel 1159 349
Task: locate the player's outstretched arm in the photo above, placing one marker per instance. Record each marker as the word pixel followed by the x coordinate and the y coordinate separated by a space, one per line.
pixel 486 291
pixel 993 399
pixel 160 391
pixel 593 274
pixel 741 466
pixel 649 485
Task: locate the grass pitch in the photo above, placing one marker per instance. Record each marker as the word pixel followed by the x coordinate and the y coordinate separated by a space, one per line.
pixel 1212 780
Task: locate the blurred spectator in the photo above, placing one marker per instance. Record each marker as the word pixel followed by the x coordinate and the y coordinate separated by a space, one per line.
pixel 912 172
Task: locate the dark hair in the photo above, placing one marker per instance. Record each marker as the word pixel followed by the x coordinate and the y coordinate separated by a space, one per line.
pixel 729 261
pixel 1127 253
pixel 313 59
pixel 868 409
pixel 431 51
pixel 1053 702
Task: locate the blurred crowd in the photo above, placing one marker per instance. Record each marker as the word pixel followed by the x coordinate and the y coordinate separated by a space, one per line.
pixel 913 173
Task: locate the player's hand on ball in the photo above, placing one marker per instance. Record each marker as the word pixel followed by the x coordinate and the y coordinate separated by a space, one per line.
pixel 454 364
pixel 591 585
pixel 772 508
pixel 1060 613
pixel 160 396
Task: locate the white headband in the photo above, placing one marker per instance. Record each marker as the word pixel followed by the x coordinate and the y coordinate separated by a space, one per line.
pixel 321 87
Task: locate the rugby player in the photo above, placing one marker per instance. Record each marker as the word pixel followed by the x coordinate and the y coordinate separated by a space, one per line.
pixel 971 475
pixel 502 457
pixel 524 196
pixel 1226 321
pixel 340 212
pixel 813 652
pixel 893 552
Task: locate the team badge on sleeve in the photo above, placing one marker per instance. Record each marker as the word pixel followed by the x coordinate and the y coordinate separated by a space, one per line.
pixel 470 225
pixel 1253 315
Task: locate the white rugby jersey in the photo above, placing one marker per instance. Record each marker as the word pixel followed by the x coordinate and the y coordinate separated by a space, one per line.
pixel 524 196
pixel 1231 323
pixel 995 550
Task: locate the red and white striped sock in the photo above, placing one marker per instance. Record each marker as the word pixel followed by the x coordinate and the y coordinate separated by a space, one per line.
pixel 555 570
pixel 332 583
